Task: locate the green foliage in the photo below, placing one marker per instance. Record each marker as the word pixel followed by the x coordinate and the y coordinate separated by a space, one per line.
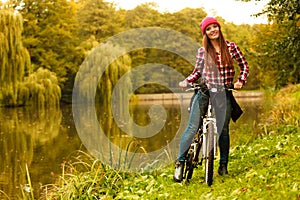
pixel 59 34
pixel 143 15
pixel 14 59
pixel 277 45
pixel 98 19
pixel 98 63
pixel 276 54
pixel 50 35
pixel 286 110
pixel 186 21
pixel 41 89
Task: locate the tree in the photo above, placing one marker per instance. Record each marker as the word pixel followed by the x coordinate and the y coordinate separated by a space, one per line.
pixel 282 47
pixel 19 85
pixel 14 57
pixel 98 19
pixel 143 15
pixel 186 21
pixel 43 89
pixel 50 35
pixel 96 66
pixel 286 15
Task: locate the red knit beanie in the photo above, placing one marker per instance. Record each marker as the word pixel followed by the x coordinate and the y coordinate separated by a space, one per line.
pixel 208 21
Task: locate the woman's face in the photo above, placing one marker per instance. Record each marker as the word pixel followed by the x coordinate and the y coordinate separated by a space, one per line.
pixel 212 31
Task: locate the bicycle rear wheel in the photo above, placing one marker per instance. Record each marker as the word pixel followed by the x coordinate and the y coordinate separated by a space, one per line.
pixel 209 160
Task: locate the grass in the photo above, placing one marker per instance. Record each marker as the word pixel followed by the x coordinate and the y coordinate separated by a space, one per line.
pixel 265 168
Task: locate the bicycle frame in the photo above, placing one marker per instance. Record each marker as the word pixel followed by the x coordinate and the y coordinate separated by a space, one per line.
pixel 205 139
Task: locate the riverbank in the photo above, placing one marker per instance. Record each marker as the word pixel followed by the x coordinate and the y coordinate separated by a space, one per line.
pixel 264 168
pixel 173 98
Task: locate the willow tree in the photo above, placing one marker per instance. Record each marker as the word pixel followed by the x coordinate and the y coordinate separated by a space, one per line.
pixel 41 89
pixel 14 58
pixel 98 73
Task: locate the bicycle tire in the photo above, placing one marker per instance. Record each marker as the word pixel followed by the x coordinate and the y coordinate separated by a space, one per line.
pixel 189 167
pixel 209 161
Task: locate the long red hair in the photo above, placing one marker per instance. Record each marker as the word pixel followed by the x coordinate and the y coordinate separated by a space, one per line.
pixel 226 59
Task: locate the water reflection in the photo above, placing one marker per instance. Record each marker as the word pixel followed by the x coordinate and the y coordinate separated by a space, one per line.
pixel 105 139
pixel 140 116
pixel 45 139
pixel 37 138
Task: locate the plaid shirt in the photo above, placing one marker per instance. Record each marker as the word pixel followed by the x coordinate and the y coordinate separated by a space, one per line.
pixel 219 75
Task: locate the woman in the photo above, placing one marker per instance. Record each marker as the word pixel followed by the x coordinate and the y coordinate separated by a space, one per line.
pixel 214 65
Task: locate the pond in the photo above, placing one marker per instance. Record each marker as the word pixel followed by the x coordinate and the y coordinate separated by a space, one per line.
pixel 44 140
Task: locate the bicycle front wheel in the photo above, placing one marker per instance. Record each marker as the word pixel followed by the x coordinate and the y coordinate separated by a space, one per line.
pixel 209 160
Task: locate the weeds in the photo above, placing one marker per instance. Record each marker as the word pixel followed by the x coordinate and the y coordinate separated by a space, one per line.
pixel 5 195
pixel 265 168
pixel 90 179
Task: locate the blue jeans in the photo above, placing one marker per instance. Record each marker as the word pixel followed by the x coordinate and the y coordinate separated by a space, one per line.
pixel 197 113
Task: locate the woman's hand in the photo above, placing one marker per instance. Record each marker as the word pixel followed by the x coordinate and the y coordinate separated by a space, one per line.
pixel 183 84
pixel 238 85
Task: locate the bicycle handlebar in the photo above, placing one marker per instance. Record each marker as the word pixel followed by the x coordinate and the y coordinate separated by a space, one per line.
pixel 197 86
pixel 193 86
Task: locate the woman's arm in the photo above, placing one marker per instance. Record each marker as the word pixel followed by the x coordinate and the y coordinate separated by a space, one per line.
pixel 197 72
pixel 241 61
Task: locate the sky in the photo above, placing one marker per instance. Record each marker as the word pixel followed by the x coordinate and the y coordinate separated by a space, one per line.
pixel 231 10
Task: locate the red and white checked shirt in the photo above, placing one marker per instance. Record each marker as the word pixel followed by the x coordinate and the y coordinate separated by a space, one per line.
pixel 219 75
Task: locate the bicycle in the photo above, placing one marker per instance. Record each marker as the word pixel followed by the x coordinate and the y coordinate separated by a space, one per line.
pixel 206 140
